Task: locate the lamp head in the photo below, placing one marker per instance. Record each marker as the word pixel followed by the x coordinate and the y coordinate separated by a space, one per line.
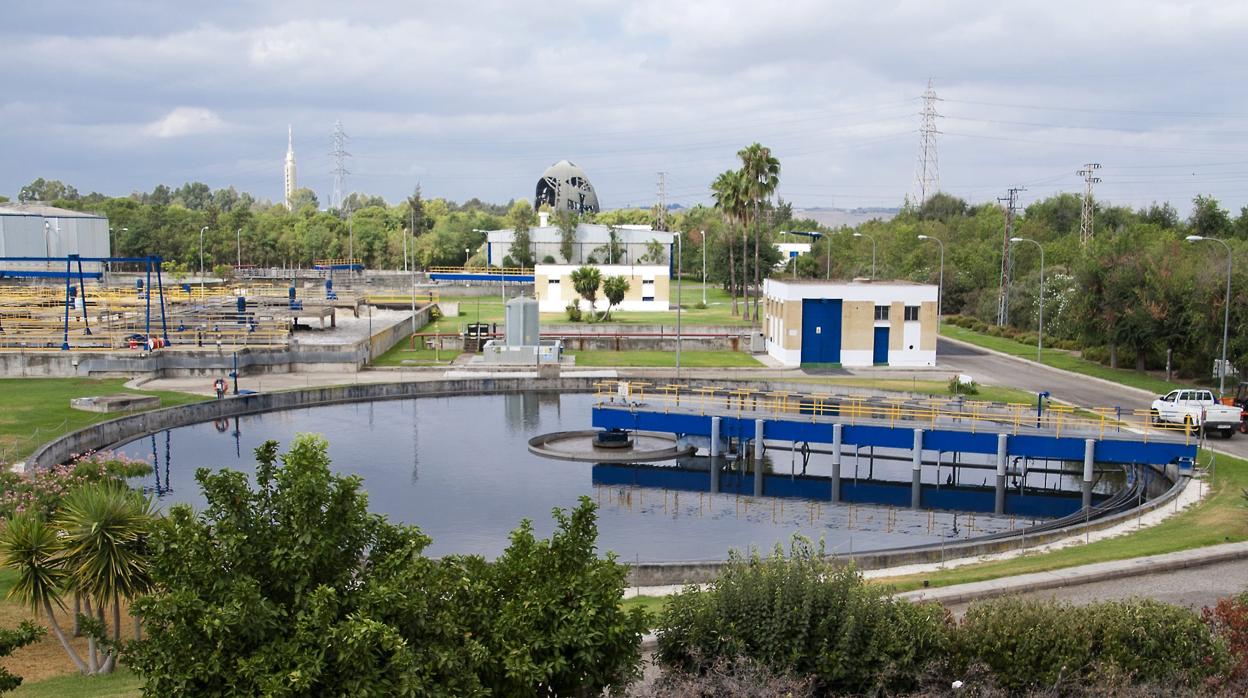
pixel 1016 239
pixel 924 237
pixel 1194 238
pixel 857 235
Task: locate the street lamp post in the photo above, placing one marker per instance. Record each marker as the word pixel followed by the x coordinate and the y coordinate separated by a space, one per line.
pixel 1040 333
pixel 502 287
pixel 703 267
pixel 1226 314
pixel 940 289
pixel 680 256
pixel 466 251
pixel 201 263
pixel 864 235
pixel 238 241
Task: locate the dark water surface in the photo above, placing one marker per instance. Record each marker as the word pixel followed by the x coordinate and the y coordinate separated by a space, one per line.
pixel 459 469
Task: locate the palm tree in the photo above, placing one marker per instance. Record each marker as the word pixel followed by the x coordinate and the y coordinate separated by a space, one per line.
pixel 585 281
pixel 729 192
pixel 29 546
pixel 762 174
pixel 105 527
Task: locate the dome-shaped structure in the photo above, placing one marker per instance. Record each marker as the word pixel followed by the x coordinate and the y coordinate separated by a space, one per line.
pixel 565 187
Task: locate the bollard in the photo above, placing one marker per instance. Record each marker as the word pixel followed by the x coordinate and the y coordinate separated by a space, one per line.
pixel 714 455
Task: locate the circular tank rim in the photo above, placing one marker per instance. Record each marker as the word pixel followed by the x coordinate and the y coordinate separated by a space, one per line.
pixel 113 432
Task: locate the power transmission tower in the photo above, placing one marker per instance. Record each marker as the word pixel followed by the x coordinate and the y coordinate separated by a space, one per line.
pixel 662 201
pixel 1085 222
pixel 340 172
pixel 1003 299
pixel 928 173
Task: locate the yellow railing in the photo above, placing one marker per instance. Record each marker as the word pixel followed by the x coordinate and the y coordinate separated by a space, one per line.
pixel 967 414
pixel 496 271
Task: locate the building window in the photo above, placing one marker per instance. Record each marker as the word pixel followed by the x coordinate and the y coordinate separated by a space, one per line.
pixel 912 313
pixel 553 282
pixel 881 312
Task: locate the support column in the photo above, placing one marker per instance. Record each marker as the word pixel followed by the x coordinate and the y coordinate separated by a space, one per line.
pixel 1003 458
pixel 715 455
pixel 836 462
pixel 1089 461
pixel 758 458
pixel 916 479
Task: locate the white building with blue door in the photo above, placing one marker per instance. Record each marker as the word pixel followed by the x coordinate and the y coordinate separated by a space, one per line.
pixel 850 323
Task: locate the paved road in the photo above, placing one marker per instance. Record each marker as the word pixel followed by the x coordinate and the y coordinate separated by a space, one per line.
pixel 993 369
pixel 1194 588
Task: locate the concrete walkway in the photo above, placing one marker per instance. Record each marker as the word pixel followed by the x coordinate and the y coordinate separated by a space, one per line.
pixel 1086 574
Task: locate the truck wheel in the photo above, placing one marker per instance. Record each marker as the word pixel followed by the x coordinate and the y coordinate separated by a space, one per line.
pixel 1228 432
pixel 1243 427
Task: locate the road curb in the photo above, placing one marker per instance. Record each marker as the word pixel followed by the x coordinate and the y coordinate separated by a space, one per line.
pixel 1046 367
pixel 1085 574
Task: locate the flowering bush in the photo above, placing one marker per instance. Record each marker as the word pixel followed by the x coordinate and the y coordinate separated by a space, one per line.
pixel 44 491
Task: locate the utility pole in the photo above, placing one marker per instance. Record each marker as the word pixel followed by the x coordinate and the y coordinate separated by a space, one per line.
pixel 1003 298
pixel 928 174
pixel 1085 221
pixel 340 172
pixel 662 201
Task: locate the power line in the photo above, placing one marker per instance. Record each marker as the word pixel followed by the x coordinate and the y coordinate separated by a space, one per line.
pixel 929 164
pixel 1085 220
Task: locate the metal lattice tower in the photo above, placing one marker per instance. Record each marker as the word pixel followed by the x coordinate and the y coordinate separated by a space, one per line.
pixel 1003 299
pixel 662 201
pixel 928 172
pixel 1085 221
pixel 340 171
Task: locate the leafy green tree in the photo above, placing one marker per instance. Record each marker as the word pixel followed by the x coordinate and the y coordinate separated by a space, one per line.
pixel 1208 218
pixel 521 219
pixel 10 640
pixel 613 289
pixel 762 172
pixel 303 197
pixel 585 281
pixel 613 251
pixel 942 207
pixel 47 190
pixel 567 222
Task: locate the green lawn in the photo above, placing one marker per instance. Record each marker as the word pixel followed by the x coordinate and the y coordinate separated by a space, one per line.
pixel 1062 359
pixel 654 359
pixel 120 684
pixel 1221 518
pixel 36 410
pixel 913 385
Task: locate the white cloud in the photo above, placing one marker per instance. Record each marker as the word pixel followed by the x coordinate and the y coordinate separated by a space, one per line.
pixel 185 121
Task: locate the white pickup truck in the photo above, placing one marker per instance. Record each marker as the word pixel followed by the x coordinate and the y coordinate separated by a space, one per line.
pixel 1196 409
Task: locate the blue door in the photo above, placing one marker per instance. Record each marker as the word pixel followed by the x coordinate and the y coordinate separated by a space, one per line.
pixel 879 352
pixel 821 331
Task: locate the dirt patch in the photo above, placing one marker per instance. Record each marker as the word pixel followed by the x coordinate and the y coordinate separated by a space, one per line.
pixel 46 658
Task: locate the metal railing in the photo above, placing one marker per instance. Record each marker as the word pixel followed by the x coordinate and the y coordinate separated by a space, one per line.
pixel 973 415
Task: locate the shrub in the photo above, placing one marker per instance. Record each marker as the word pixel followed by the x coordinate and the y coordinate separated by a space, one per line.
pixel 1028 338
pixel 1229 621
pixel 700 305
pixel 1098 354
pixel 804 617
pixel 548 259
pixel 957 387
pixel 1030 644
pixel 574 312
pixel 508 262
pixel 1067 344
pixel 731 677
pixel 978 325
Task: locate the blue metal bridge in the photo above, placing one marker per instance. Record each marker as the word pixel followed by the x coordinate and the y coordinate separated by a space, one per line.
pixel 720 418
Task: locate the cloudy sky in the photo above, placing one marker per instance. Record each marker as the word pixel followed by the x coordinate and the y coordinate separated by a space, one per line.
pixel 476 99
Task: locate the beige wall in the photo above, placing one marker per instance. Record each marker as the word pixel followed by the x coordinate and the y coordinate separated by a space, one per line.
pixel 896 327
pixel 662 284
pixel 792 313
pixel 927 326
pixel 857 323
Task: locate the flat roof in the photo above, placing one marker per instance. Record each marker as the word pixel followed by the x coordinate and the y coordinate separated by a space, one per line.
pixel 846 282
pixel 41 209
